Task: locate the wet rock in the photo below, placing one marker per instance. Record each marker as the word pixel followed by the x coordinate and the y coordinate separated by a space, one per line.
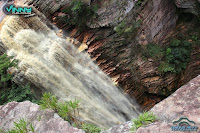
pixel 124 128
pixel 44 121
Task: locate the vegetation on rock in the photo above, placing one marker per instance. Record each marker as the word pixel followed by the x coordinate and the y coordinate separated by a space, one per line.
pixel 90 128
pixel 177 56
pixel 69 111
pixel 78 14
pixel 127 30
pixel 10 91
pixel 154 51
pixel 22 126
pixel 144 119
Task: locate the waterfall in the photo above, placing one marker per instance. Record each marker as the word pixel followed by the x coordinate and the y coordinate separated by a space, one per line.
pixel 53 63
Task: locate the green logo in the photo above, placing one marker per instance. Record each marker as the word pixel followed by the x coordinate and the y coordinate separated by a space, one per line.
pixel 184 124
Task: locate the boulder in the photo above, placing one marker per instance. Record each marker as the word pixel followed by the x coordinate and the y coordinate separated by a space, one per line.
pixel 44 121
pixel 184 103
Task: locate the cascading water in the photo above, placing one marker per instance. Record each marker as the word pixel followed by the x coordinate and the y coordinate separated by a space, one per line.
pixel 53 63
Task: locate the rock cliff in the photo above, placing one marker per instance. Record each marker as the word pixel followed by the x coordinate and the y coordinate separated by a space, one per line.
pixel 121 59
pixel 44 121
pixel 183 103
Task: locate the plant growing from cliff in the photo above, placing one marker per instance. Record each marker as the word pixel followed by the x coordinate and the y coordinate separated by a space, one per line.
pixel 176 56
pixel 10 91
pixel 48 101
pixel 22 126
pixel 90 128
pixel 144 119
pixel 127 30
pixel 139 3
pixel 154 51
pixel 69 111
pixel 78 14
pixel 6 62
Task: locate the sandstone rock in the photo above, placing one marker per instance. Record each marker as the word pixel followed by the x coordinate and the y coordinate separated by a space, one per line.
pixel 44 121
pixel 183 103
pixel 112 12
pixel 158 19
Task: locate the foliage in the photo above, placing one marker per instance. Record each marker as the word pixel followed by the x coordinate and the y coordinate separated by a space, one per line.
pixel 78 14
pixel 10 91
pixel 127 30
pixel 5 63
pixel 176 56
pixel 144 119
pixel 154 51
pixel 22 126
pixel 195 39
pixel 90 128
pixel 139 3
pixel 17 93
pixel 48 101
pixel 67 110
pixel 166 67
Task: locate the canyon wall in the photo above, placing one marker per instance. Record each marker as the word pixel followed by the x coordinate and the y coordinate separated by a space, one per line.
pixel 122 60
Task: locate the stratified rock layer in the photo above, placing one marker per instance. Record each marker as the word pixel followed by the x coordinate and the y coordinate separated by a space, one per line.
pixel 44 121
pixel 183 103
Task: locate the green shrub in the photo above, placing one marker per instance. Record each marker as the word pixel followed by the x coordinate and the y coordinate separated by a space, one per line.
pixel 17 93
pixel 5 63
pixel 90 128
pixel 195 39
pixel 10 91
pixel 66 110
pixel 22 126
pixel 154 51
pixel 166 67
pixel 139 3
pixel 78 14
pixel 177 56
pixel 144 119
pixel 127 30
pixel 48 101
pixel 69 111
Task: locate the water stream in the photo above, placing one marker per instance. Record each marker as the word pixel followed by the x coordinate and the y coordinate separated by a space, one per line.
pixel 53 63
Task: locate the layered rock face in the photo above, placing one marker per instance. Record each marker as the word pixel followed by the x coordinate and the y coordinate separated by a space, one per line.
pixel 44 121
pixel 183 103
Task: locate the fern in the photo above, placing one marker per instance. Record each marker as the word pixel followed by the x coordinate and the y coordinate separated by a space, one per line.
pixel 144 119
